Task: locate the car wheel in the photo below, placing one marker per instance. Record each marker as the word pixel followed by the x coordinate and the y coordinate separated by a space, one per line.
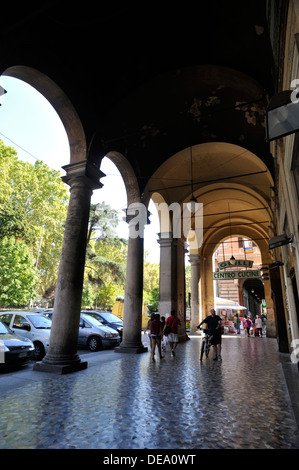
pixel 39 351
pixel 94 343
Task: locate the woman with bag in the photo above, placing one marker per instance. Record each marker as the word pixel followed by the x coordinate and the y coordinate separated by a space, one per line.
pixel 171 330
pixel 248 325
pixel 155 334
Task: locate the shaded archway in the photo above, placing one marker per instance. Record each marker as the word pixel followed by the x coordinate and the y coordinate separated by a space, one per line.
pixel 235 188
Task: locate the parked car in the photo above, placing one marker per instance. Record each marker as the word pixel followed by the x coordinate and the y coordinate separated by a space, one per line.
pixel 33 326
pixel 94 335
pixel 108 319
pixel 14 349
pixel 48 313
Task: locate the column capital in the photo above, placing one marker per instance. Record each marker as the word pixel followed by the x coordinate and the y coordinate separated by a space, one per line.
pixel 166 239
pixel 195 259
pixel 84 171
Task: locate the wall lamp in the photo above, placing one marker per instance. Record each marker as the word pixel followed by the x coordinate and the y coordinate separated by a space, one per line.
pixel 280 240
pixel 192 203
pixel 282 115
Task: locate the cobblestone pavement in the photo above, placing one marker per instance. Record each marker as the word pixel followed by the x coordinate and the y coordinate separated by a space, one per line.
pixel 125 401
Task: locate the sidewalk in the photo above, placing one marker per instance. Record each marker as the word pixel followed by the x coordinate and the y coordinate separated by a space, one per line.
pixel 249 400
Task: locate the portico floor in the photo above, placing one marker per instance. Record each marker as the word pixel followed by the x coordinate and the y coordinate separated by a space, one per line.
pixel 126 401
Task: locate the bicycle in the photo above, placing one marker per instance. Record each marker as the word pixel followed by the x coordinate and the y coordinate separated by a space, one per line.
pixel 206 343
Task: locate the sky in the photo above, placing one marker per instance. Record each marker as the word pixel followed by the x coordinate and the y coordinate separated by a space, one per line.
pixel 30 124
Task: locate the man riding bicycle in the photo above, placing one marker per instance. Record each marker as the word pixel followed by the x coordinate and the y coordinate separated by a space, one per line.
pixel 214 324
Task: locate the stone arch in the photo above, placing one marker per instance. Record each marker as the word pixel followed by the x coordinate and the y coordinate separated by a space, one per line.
pixel 222 234
pixel 128 175
pixel 60 102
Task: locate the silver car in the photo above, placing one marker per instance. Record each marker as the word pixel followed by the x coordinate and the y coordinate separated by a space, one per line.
pixel 94 335
pixel 30 325
pixel 14 349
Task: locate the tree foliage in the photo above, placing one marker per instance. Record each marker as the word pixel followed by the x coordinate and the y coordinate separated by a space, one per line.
pixel 105 267
pixel 151 285
pixel 33 207
pixel 17 273
pixel 33 199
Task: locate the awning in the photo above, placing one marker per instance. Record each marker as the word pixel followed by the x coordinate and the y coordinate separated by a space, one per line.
pixel 228 304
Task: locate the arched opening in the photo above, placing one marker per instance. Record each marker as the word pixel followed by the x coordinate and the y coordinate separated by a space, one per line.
pixel 60 102
pixel 31 125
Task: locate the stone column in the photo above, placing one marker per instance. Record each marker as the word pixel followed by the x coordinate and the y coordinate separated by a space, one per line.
pixel 207 277
pixel 180 290
pixel 271 331
pixel 131 340
pixel 195 277
pixel 168 270
pixel 62 355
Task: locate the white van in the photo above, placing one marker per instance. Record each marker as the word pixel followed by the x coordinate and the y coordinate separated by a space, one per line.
pixel 30 325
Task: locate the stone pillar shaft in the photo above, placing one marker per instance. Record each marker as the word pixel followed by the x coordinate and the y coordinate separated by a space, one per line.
pixel 167 283
pixel 62 355
pixel 208 288
pixel 131 341
pixel 195 277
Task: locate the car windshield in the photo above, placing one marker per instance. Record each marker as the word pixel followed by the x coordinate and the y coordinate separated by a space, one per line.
pixel 4 330
pixel 94 321
pixel 110 317
pixel 40 321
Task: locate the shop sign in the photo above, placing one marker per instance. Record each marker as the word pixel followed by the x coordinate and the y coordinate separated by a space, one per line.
pixel 243 263
pixel 237 275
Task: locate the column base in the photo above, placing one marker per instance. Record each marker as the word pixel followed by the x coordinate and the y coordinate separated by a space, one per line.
pixel 59 369
pixel 183 338
pixel 130 349
pixel 60 364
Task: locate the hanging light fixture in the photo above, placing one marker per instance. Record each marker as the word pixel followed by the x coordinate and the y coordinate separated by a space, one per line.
pixel 232 258
pixel 191 204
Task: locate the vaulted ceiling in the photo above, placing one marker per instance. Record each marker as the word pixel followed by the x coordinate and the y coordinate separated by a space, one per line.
pixel 149 80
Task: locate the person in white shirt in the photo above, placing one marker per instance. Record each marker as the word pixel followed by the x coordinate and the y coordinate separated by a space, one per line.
pixel 259 325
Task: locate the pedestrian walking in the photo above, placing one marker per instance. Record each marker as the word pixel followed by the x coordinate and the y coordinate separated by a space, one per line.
pixel 173 321
pixel 248 325
pixel 155 334
pixel 259 325
pixel 237 323
pixel 264 324
pixel 148 327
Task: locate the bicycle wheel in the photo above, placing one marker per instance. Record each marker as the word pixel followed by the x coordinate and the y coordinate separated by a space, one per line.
pixel 203 347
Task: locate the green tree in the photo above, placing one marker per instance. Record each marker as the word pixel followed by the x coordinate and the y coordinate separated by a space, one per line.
pixel 17 273
pixel 33 208
pixel 151 273
pixel 103 221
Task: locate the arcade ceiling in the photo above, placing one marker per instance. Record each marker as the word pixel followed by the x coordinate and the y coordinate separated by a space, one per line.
pixel 151 82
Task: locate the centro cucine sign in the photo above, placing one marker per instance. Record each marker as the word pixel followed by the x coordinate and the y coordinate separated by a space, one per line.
pixel 237 263
pixel 236 274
